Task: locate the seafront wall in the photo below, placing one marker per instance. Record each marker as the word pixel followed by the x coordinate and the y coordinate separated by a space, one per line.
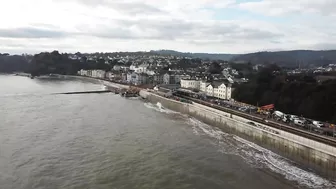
pixel 315 155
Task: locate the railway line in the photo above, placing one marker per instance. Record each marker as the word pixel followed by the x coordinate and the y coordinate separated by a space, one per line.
pixel 300 132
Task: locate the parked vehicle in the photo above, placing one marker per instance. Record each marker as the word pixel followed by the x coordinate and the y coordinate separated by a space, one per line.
pixel 243 109
pixel 293 117
pixel 318 124
pixel 279 114
pixel 286 119
pixel 299 122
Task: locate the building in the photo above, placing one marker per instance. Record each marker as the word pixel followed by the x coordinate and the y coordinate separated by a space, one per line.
pixel 143 79
pixel 204 85
pixel 131 77
pixel 158 78
pixel 137 78
pixel 113 75
pixel 141 68
pixel 117 67
pixel 178 77
pixel 98 74
pixel 210 90
pixel 83 72
pixel 109 75
pixel 123 77
pixel 168 79
pixel 173 78
pixel 221 90
pixel 190 84
pixel 125 68
pixel 218 89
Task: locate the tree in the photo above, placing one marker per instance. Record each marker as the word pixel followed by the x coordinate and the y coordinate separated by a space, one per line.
pixel 299 95
pixel 14 63
pixel 215 68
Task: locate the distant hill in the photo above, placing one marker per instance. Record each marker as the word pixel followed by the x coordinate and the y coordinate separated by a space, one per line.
pixel 196 55
pixel 290 58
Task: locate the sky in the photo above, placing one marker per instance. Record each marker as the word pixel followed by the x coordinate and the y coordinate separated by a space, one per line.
pixel 212 26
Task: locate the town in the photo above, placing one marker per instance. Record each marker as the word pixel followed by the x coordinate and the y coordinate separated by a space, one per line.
pixel 300 92
pixel 213 81
pixel 166 70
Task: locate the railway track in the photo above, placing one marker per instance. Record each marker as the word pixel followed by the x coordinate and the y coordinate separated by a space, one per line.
pixel 313 136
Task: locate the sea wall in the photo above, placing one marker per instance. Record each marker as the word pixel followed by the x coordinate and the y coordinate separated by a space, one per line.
pixel 308 153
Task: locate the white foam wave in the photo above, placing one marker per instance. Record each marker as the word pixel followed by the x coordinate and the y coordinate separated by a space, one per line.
pixel 158 107
pixel 104 87
pixel 209 130
pixel 260 157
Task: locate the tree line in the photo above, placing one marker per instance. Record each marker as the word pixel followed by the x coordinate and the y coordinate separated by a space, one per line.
pixel 291 94
pixel 9 64
pixel 56 63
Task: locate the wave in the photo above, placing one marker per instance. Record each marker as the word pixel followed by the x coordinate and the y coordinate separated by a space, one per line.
pixel 104 87
pixel 252 153
pixel 259 157
pixel 158 107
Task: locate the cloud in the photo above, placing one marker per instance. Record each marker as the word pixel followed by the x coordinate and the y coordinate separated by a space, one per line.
pixel 126 7
pixel 179 30
pixel 189 25
pixel 285 7
pixel 30 32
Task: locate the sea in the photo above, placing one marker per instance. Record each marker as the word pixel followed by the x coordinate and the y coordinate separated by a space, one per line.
pixel 50 140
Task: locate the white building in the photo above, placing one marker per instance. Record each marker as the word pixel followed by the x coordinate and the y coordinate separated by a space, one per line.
pixel 221 91
pixel 133 67
pixel 190 84
pixel 204 85
pixel 217 89
pixel 141 69
pixel 98 74
pixel 210 90
pixel 83 72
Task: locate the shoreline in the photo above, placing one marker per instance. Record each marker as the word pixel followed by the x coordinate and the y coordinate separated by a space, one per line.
pixel 98 81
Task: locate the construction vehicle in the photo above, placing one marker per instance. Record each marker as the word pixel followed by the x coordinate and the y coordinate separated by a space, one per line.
pixel 265 110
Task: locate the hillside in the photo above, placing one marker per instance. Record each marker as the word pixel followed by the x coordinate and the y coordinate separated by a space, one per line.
pixel 290 58
pixel 13 63
pixel 196 55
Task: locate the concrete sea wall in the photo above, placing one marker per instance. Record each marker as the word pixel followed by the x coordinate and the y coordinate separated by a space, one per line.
pixel 315 155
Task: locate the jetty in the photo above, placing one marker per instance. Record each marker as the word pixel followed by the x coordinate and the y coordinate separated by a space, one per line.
pixel 87 92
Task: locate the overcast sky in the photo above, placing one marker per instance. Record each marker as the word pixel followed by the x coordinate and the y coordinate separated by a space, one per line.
pixel 220 26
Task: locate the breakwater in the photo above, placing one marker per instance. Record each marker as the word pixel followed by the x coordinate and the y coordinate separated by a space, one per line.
pixel 87 92
pixel 308 153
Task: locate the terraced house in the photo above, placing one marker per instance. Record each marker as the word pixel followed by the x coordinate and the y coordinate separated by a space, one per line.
pixel 217 89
